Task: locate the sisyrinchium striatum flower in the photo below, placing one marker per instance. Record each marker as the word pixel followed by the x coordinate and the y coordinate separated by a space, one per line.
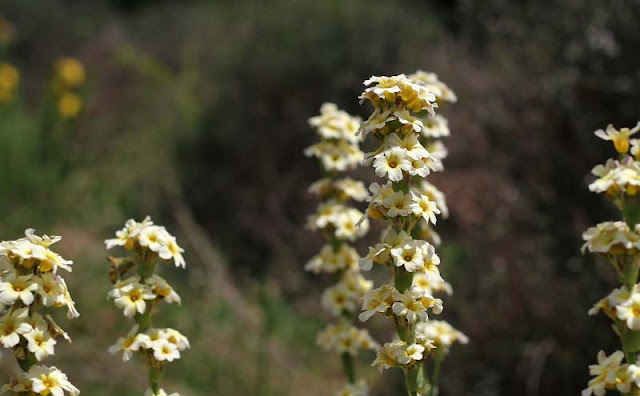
pixel 30 285
pixel 618 242
pixel 139 292
pixel 338 151
pixel 408 131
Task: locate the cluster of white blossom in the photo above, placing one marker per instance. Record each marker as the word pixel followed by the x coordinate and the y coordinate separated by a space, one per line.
pixel 29 282
pixel 338 220
pixel 619 243
pixel 345 338
pixel 149 239
pixel 400 353
pixel 441 333
pixel 162 344
pixel 344 297
pixel 338 148
pixel 140 293
pixel 404 122
pixel 340 224
pixel 344 258
pixel 611 373
pixel 41 380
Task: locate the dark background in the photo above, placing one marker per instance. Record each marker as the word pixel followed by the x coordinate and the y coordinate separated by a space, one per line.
pixel 196 113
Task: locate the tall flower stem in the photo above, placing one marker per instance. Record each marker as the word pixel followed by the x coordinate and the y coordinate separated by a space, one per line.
pixel 619 243
pixel 338 152
pixel 141 293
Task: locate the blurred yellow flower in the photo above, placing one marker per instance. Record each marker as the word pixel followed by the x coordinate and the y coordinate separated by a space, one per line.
pixel 69 105
pixel 70 71
pixel 9 79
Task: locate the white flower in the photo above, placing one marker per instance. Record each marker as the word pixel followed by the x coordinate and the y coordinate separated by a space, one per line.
pixel 128 344
pixel 633 372
pixel 171 251
pixel 629 311
pixel 377 301
pixel 435 126
pixel 604 373
pixel 50 380
pixel 16 288
pixel 12 325
pixel 610 237
pixel 392 163
pixel 176 338
pixel 430 285
pixel 408 306
pixel 616 297
pixel 351 189
pixel 337 299
pixel 335 124
pixel 51 289
pixel 329 261
pixel 377 120
pixel 129 234
pixel 399 204
pixel 405 118
pixel 615 176
pixel 441 333
pixel 163 350
pixel 423 207
pixel 435 195
pixel 409 256
pixel 620 137
pixel 346 224
pixel 433 84
pixel 162 289
pixel 130 296
pixel 387 355
pixel 153 237
pixel 40 343
pixel 412 353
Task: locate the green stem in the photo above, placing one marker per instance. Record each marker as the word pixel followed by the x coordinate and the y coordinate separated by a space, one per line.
pixel 402 280
pixel 631 211
pixel 155 375
pixel 629 273
pixel 349 367
pixel 414 379
pixel 435 376
pixel 146 268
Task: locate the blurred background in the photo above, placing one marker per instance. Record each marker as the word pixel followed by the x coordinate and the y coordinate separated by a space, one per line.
pixel 195 112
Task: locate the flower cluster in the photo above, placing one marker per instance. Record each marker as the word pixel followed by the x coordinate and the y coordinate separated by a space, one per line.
pixel 611 373
pixel 340 223
pixel 405 124
pixel 162 344
pixel 619 243
pixel 140 293
pixel 30 282
pixel 338 148
pixel 69 75
pixel 345 338
pixel 441 333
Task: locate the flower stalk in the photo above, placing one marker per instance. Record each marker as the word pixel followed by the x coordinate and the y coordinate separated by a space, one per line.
pixel 338 152
pixel 29 286
pixel 619 243
pixel 405 124
pixel 139 292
